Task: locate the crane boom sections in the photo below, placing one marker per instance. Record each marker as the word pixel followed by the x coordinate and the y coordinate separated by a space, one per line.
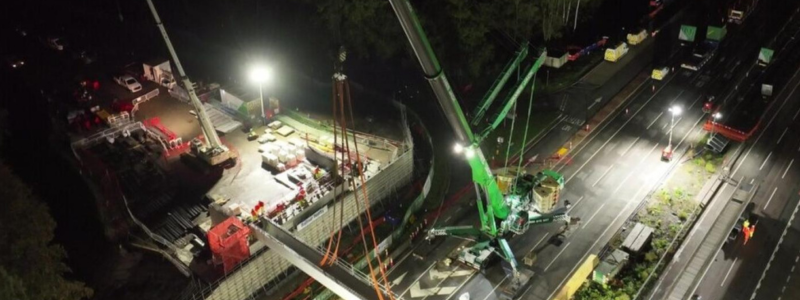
pixel 205 122
pixel 433 71
pixel 512 99
pixel 497 86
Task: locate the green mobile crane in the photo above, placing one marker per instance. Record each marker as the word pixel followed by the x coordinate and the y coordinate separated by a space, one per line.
pixel 517 201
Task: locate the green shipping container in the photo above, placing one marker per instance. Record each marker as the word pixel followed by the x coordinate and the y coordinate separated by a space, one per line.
pixel 687 33
pixel 765 56
pixel 716 33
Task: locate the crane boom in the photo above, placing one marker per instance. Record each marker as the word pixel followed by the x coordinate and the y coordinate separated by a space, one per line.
pixel 205 122
pixel 433 71
pixel 499 213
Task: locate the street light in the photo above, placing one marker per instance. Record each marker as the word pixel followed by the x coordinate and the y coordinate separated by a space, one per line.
pixel 716 116
pixel 261 75
pixel 675 111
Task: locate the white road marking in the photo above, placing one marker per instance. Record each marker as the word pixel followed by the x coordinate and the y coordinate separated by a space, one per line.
pixel 462 285
pixel 769 123
pixel 554 258
pixel 441 290
pixel 447 219
pixel 605 124
pixel 604 175
pixel 729 272
pixel 780 241
pixel 417 280
pixel 770 198
pixel 417 292
pixel 795 115
pixel 435 274
pixel 613 135
pixel 399 279
pixel 631 146
pixel 654 120
pixel 594 244
pixel 752 180
pixel 495 287
pixel 782 134
pixel 644 157
pixel 594 214
pixel 765 161
pixel 787 168
pixel 575 204
pixel 704 273
pixel 540 241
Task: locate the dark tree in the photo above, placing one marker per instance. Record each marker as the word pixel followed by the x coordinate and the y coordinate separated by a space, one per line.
pixel 31 266
pixel 465 33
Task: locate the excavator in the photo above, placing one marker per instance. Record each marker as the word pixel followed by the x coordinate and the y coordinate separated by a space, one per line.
pixel 508 203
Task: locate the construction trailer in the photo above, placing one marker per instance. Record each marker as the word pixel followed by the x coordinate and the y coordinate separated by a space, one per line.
pixel 159 71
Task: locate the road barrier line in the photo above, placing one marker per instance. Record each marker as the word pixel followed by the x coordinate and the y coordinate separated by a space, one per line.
pixel 603 176
pixel 770 198
pixel 729 272
pixel 555 258
pixel 765 161
pixel 787 168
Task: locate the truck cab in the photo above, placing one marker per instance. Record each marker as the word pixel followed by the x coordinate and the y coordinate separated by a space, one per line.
pixel 659 73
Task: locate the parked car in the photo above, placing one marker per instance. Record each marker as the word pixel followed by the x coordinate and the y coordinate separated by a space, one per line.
pixel 15 62
pixel 128 82
pixel 252 135
pixel 56 43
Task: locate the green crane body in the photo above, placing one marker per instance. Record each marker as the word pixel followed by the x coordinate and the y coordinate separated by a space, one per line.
pixel 499 214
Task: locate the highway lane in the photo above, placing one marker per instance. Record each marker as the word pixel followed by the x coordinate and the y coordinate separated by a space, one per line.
pixel 593 186
pixel 772 161
pixel 772 164
pixel 604 192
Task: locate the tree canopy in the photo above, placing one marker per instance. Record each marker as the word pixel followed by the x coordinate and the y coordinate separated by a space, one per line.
pixel 463 32
pixel 31 266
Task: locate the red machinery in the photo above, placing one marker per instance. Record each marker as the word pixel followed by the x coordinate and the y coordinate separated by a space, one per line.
pixel 228 242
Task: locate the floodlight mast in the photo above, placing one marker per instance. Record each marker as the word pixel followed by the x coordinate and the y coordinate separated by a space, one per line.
pixel 208 128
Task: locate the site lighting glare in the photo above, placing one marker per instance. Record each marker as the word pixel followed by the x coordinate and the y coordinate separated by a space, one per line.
pixel 458 148
pixel 261 75
pixel 717 116
pixel 676 110
pixel 469 153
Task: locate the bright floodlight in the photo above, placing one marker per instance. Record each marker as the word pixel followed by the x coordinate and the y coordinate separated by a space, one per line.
pixel 717 116
pixel 470 153
pixel 261 75
pixel 458 148
pixel 676 110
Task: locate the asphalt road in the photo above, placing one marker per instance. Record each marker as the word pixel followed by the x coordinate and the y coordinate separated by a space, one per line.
pixel 605 184
pixel 771 255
